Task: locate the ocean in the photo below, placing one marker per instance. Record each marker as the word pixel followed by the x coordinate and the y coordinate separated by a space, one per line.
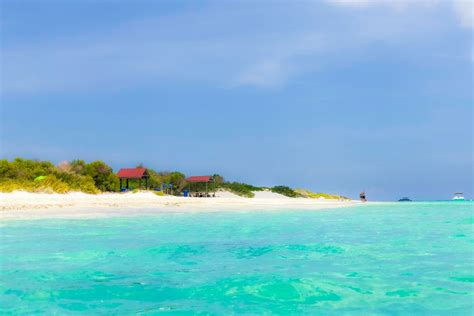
pixel 385 259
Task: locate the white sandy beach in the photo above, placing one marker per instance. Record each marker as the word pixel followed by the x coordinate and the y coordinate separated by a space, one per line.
pixel 24 205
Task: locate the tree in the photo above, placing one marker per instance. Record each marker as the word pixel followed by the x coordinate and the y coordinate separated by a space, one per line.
pixel 103 176
pixel 78 166
pixel 24 169
pixel 218 179
pixel 177 180
pixel 65 166
pixel 155 179
pixel 6 170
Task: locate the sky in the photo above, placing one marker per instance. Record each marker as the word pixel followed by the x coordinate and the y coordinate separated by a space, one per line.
pixel 334 96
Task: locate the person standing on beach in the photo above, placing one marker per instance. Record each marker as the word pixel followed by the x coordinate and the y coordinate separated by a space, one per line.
pixel 362 197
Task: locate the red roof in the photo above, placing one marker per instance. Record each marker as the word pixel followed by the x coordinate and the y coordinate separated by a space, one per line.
pixel 132 173
pixel 199 179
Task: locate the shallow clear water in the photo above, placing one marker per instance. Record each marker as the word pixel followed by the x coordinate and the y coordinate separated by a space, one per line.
pixel 412 258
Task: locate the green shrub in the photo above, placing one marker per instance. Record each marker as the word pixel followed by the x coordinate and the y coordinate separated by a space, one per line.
pixel 43 176
pixel 51 184
pixel 241 189
pixel 104 178
pixel 327 196
pixel 284 190
pixel 23 169
pixel 10 185
pixel 78 182
pixel 176 179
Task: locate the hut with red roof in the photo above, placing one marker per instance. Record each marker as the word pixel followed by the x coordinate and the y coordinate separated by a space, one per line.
pixel 133 174
pixel 200 179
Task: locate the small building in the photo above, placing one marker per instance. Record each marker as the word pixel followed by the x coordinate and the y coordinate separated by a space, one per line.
pixel 200 179
pixel 133 174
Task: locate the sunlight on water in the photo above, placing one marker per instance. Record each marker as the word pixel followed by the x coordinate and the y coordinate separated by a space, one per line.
pixel 388 259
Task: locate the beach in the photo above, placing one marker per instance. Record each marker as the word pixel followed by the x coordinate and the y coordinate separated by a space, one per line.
pixel 24 205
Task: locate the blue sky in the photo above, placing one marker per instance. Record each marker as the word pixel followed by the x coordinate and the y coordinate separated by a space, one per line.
pixel 336 96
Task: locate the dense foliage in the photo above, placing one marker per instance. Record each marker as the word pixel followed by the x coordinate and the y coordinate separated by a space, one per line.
pixel 320 195
pixel 284 190
pixel 172 182
pixel 97 176
pixel 103 176
pixel 43 176
pixel 241 189
pixel 76 175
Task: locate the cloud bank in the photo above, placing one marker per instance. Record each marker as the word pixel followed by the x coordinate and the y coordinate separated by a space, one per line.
pixel 255 46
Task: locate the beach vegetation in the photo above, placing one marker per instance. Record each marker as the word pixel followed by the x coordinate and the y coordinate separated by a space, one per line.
pixel 95 177
pixel 78 166
pixel 240 189
pixel 49 184
pixel 25 169
pixel 286 191
pixel 177 180
pixel 104 177
pixel 77 182
pixel 155 181
pixel 10 185
pixel 320 195
pixel 218 179
pixel 44 176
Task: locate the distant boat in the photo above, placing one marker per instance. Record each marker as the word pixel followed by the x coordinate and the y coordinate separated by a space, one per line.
pixel 459 196
pixel 405 199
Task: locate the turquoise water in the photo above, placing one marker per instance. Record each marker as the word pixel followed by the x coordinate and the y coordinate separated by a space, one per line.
pixel 404 258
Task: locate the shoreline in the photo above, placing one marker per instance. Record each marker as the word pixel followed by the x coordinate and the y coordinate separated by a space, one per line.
pixel 25 206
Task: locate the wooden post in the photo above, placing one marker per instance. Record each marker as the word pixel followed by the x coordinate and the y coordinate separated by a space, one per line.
pixel 127 183
pixel 139 184
pixel 120 184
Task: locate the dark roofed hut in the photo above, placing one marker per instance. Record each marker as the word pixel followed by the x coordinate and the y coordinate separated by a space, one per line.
pixel 200 179
pixel 133 174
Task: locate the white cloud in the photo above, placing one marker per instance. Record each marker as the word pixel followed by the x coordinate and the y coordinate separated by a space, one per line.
pixel 265 73
pixel 464 10
pixel 283 61
pixel 261 46
pixel 391 3
pixel 352 2
pixel 223 51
